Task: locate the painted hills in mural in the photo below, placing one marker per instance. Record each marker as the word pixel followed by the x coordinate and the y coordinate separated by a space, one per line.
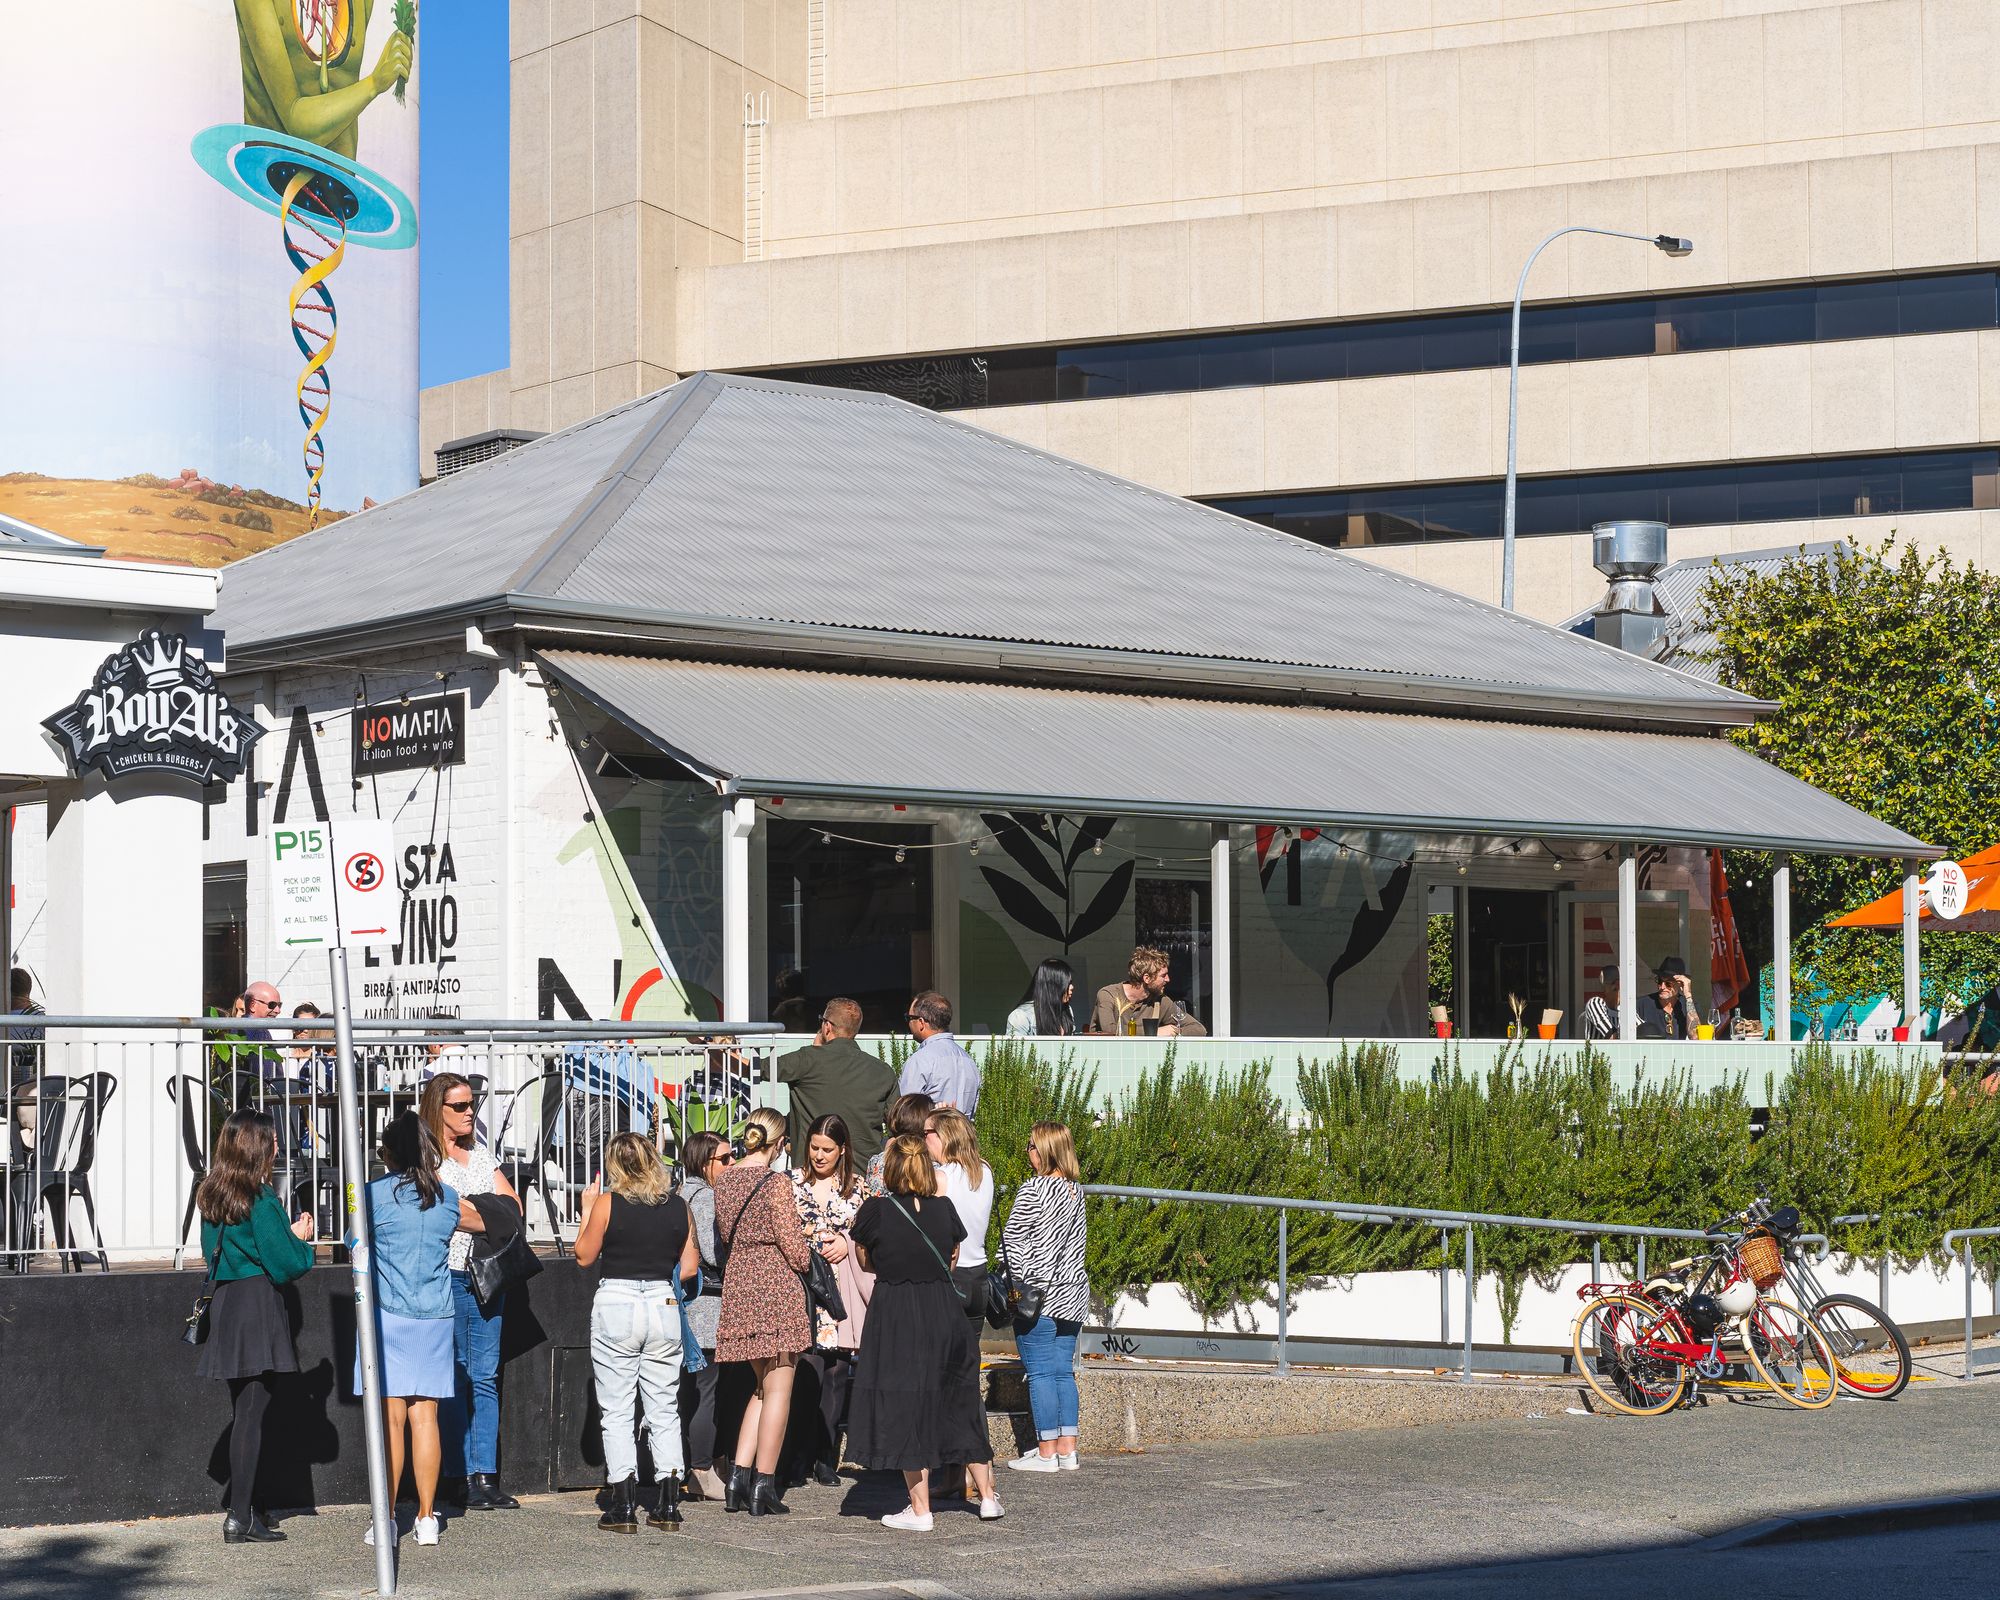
pixel 188 519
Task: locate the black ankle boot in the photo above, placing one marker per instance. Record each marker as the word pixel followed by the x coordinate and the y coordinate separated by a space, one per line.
pixel 621 1508
pixel 666 1512
pixel 736 1494
pixel 255 1531
pixel 826 1474
pixel 764 1500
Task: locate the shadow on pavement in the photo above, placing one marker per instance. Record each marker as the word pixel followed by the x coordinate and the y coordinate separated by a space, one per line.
pixel 81 1567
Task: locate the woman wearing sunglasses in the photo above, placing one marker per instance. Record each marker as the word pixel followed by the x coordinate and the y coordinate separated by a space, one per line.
pixel 448 1109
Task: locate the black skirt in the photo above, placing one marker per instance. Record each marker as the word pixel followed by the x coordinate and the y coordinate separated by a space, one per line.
pixel 249 1331
pixel 916 1400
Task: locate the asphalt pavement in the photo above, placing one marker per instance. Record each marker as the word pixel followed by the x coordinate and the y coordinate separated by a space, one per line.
pixel 1565 1503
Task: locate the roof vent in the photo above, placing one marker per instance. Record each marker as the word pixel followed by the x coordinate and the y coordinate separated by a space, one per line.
pixel 1630 616
pixel 455 455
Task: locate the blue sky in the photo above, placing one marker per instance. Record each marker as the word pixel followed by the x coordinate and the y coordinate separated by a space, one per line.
pixel 463 197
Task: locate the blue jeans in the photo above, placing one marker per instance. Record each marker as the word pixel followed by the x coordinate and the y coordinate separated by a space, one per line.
pixel 472 1428
pixel 1048 1353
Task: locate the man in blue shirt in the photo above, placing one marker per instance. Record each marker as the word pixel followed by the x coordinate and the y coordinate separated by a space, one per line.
pixel 940 1066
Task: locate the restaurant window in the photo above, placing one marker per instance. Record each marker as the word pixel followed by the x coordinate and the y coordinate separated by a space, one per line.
pixel 1509 944
pixel 224 953
pixel 1171 914
pixel 844 917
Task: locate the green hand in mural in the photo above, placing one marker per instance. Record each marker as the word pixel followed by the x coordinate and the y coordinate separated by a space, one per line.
pixel 302 68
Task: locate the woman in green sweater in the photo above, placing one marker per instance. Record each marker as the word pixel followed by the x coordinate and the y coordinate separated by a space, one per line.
pixel 251 1247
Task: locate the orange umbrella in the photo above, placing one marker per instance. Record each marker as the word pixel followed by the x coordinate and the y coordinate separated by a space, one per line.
pixel 1982 902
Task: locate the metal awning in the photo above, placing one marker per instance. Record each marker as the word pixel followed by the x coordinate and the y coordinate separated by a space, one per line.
pixel 770 731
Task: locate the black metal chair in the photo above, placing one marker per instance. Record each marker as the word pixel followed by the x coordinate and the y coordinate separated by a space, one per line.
pixel 69 1110
pixel 526 1141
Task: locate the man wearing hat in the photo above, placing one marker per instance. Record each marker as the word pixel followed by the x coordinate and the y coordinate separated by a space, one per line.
pixel 1668 1012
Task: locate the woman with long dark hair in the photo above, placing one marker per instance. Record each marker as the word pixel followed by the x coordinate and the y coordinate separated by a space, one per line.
pixel 251 1247
pixel 1046 1011
pixel 828 1191
pixel 413 1215
pixel 449 1109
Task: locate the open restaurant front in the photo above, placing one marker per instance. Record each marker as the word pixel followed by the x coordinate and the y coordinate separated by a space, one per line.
pixel 755 693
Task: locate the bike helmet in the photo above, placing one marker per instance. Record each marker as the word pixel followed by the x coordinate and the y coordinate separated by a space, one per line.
pixel 1736 1299
pixel 1703 1313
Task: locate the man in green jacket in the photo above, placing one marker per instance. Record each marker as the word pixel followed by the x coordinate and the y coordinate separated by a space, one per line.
pixel 833 1073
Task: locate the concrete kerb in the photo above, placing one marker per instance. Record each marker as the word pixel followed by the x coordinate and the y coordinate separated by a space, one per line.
pixel 1950 1511
pixel 1129 1409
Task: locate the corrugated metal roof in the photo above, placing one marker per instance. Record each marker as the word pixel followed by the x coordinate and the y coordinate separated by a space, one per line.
pixel 789 732
pixel 748 501
pixel 1682 587
pixel 454 541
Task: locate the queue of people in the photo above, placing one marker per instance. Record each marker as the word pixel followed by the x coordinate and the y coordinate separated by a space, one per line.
pixel 704 1314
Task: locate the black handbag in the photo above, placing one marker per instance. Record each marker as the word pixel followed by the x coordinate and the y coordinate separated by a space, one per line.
pixel 823 1286
pixel 194 1330
pixel 493 1273
pixel 1008 1300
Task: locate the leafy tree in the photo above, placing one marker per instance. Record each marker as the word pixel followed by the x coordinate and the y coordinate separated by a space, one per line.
pixel 1885 667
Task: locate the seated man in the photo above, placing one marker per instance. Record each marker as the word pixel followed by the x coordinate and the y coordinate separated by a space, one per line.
pixel 1140 1004
pixel 1669 1011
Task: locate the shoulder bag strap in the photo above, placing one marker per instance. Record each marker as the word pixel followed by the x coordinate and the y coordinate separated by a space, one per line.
pixel 730 1242
pixel 936 1254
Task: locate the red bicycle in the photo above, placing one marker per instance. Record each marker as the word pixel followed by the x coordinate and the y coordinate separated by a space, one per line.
pixel 1642 1348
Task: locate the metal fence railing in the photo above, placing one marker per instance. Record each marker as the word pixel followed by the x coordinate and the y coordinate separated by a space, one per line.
pixel 1963 1237
pixel 110 1121
pixel 1446 1222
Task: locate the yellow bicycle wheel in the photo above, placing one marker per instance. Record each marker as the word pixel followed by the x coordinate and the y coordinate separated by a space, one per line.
pixel 1788 1351
pixel 1613 1344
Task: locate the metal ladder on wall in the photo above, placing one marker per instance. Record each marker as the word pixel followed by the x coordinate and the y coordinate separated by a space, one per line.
pixel 816 58
pixel 756 122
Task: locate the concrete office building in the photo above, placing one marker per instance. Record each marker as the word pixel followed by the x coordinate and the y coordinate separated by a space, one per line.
pixel 1260 252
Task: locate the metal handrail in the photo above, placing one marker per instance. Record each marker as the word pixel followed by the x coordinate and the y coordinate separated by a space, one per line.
pixel 1967 1235
pixel 1431 1216
pixel 529 1028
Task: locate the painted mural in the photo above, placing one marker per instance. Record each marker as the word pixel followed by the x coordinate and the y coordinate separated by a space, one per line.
pixel 223 350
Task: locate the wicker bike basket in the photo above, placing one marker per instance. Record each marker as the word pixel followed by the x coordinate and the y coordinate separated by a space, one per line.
pixel 1763 1261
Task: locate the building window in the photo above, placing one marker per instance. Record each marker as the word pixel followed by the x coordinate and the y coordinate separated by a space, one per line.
pixel 1743 491
pixel 845 918
pixel 1455 341
pixel 224 899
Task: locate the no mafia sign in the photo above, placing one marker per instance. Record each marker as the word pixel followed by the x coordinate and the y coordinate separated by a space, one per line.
pixel 333 886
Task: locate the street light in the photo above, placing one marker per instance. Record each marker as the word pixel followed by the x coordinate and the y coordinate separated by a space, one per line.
pixel 1666 243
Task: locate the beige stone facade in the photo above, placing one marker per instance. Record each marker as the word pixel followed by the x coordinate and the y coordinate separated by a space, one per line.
pixel 993 174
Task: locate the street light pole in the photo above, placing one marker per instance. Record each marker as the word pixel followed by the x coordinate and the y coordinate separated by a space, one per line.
pixel 1664 242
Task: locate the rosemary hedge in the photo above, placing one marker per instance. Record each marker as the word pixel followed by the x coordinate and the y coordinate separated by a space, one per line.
pixel 1550 1137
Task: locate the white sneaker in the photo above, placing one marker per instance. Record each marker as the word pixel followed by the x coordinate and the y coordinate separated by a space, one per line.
pixel 908 1520
pixel 1066 1463
pixel 991 1510
pixel 368 1536
pixel 1034 1461
pixel 427 1530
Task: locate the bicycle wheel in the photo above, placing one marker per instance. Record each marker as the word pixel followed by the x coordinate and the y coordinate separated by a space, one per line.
pixel 1872 1357
pixel 1790 1354
pixel 1612 1343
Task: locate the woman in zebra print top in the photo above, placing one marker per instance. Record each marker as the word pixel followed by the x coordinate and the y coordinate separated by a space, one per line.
pixel 1044 1241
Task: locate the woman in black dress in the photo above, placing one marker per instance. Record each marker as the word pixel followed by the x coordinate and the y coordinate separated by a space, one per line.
pixel 251 1247
pixel 916 1402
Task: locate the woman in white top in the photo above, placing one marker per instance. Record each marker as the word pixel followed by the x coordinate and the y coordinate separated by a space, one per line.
pixel 448 1107
pixel 967 1182
pixel 1047 1011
